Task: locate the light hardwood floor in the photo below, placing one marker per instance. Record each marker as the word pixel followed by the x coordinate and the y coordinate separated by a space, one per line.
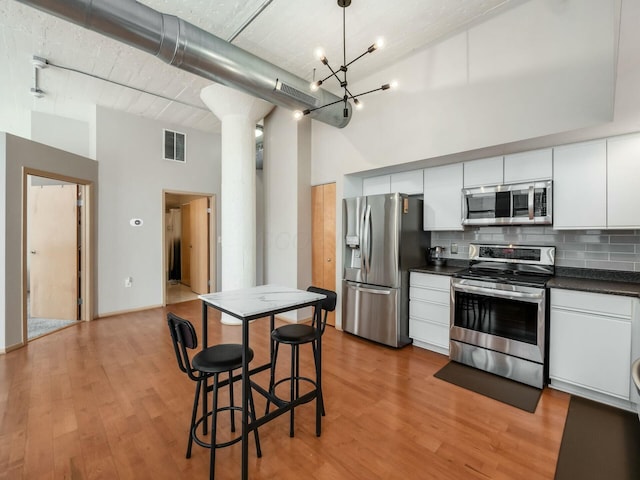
pixel 105 400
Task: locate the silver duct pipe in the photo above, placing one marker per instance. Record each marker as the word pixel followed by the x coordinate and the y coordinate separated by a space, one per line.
pixel 190 48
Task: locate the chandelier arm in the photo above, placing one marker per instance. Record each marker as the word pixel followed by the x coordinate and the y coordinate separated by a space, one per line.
pixel 353 97
pixel 333 74
pixel 309 110
pixel 357 58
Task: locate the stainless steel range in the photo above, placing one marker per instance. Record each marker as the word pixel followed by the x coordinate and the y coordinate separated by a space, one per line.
pixel 499 311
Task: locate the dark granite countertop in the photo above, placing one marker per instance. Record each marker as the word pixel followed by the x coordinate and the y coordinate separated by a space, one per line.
pixel 586 280
pixel 631 289
pixel 449 269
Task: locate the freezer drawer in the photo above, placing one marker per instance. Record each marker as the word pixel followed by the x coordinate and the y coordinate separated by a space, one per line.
pixel 374 313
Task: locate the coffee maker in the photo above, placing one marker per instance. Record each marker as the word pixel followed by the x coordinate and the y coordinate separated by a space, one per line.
pixel 436 256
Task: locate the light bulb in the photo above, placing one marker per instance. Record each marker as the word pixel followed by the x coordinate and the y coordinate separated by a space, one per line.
pixel 379 42
pixel 297 114
pixel 394 84
pixel 315 85
pixel 358 104
pixel 319 53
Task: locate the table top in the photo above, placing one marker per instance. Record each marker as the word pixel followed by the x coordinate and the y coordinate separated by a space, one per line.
pixel 262 300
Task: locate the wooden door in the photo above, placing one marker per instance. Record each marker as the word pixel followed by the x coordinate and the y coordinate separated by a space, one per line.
pixel 323 233
pixel 200 245
pixel 185 244
pixel 53 251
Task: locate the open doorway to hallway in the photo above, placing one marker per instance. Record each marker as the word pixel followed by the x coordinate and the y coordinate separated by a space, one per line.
pixel 189 239
pixel 53 257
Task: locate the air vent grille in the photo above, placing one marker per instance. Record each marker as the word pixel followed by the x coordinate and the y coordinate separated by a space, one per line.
pixel 292 92
pixel 174 146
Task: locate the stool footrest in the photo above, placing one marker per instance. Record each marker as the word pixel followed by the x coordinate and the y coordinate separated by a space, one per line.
pixel 204 444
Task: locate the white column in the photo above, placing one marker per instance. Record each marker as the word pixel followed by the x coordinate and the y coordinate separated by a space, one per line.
pixel 238 113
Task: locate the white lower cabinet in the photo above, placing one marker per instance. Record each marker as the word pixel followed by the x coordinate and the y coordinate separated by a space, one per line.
pixel 429 311
pixel 590 345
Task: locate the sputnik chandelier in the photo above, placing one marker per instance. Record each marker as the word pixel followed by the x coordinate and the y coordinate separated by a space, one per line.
pixel 343 71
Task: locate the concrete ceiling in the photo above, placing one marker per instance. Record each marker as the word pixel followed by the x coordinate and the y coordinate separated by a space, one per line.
pixel 283 32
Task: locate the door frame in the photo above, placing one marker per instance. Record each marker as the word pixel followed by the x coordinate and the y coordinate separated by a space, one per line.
pixel 86 189
pixel 213 219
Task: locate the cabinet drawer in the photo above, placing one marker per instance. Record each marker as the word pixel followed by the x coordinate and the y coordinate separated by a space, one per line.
pixel 611 305
pixel 441 282
pixel 429 295
pixel 429 332
pixel 430 311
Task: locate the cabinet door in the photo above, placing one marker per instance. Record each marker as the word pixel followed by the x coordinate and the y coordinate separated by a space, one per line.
pixel 590 351
pixel 623 175
pixel 483 172
pixel 528 166
pixel 376 185
pixel 580 186
pixel 443 197
pixel 407 182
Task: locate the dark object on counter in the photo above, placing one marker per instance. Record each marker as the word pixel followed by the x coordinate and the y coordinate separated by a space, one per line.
pixel 435 256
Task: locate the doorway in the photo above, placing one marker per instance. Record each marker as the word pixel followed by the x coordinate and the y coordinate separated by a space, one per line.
pixel 56 291
pixel 189 229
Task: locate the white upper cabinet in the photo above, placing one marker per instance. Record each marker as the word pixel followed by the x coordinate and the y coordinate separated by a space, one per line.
pixel 623 178
pixel 528 166
pixel 407 182
pixel 443 197
pixel 483 172
pixel 580 186
pixel 376 185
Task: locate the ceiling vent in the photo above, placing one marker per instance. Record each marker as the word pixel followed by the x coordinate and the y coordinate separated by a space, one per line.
pixel 174 146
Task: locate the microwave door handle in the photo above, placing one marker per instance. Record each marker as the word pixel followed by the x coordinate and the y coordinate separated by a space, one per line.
pixel 530 203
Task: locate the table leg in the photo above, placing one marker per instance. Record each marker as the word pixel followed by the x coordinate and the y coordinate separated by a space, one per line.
pixel 245 402
pixel 319 406
pixel 205 324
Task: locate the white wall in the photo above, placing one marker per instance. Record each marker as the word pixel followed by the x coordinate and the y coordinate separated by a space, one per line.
pixel 540 68
pixel 64 133
pixel 287 203
pixel 133 176
pixel 17 154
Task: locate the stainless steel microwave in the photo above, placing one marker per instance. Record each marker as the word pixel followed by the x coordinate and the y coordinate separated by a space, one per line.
pixel 515 204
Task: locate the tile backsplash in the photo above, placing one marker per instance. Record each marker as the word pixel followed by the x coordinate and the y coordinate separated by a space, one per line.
pixel 600 249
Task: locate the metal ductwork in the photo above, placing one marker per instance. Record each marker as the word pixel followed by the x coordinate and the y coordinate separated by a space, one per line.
pixel 190 48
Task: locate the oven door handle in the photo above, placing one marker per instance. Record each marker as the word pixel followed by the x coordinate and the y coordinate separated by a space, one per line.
pixel 492 292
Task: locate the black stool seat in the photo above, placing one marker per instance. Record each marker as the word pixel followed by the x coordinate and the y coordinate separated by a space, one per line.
pixel 294 333
pixel 220 358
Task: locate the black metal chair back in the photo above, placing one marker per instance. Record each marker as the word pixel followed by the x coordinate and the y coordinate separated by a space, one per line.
pixel 184 337
pixel 328 304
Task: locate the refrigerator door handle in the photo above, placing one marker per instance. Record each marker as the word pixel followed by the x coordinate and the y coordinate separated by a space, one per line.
pixel 371 290
pixel 366 247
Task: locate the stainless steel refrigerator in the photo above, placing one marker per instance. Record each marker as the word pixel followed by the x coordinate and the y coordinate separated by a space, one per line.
pixel 383 239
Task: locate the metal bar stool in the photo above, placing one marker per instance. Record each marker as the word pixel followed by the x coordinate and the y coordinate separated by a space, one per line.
pixel 209 362
pixel 296 335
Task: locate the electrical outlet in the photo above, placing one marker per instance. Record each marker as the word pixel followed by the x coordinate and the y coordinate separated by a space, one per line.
pixel 128 282
pixel 454 249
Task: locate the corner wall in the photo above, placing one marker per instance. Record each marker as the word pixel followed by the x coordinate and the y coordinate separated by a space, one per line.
pixel 133 176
